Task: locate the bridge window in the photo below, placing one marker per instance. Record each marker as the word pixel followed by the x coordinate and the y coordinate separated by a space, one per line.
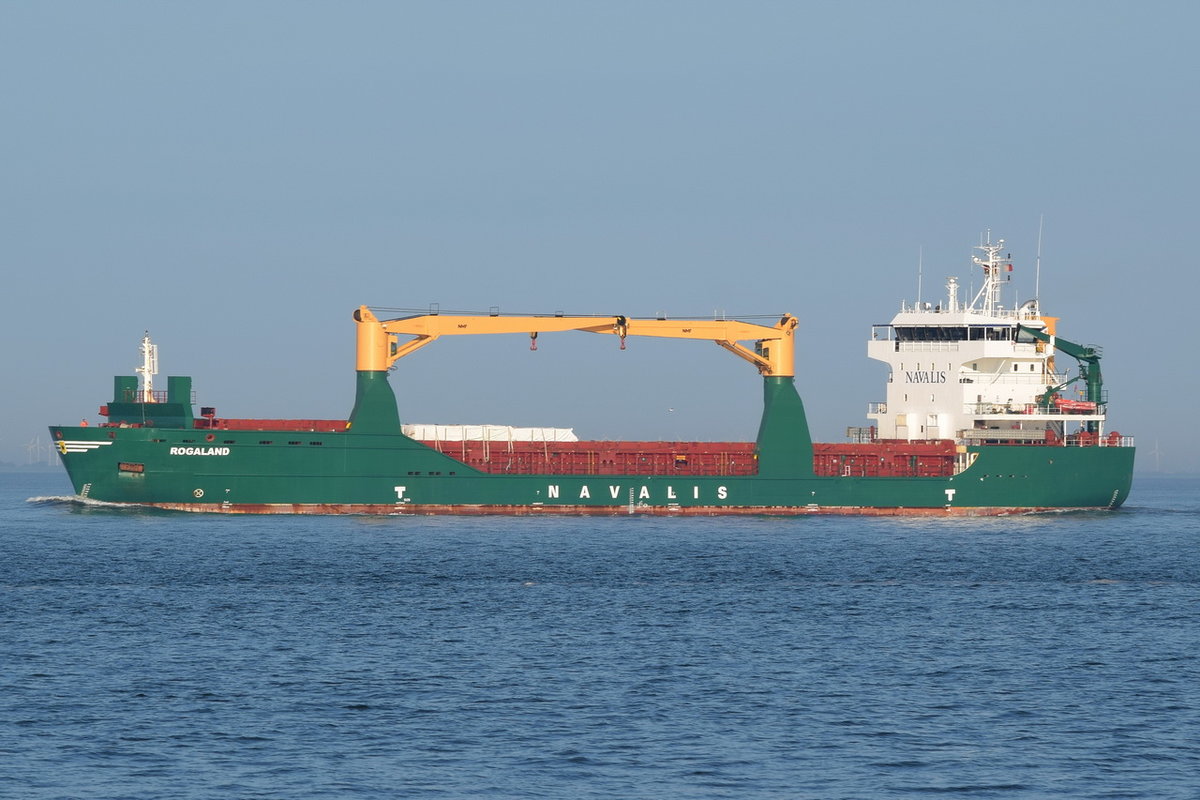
pixel 931 333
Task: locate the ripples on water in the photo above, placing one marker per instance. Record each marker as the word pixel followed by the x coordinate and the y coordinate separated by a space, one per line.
pixel 152 654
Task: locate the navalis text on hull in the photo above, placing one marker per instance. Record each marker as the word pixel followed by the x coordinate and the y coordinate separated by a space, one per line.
pixel 987 411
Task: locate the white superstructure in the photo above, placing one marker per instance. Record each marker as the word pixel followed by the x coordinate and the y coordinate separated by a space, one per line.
pixel 974 372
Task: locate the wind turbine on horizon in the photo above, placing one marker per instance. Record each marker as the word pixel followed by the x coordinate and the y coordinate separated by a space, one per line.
pixel 1157 460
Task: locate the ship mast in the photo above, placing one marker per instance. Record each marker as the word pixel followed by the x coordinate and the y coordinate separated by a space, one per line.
pixel 149 368
pixel 995 273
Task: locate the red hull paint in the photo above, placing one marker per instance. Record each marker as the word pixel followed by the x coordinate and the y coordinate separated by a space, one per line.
pixel 886 458
pixel 594 511
pixel 321 425
pixel 604 458
pixel 875 459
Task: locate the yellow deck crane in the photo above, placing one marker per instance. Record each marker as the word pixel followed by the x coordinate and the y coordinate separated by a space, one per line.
pixel 784 444
pixel 379 344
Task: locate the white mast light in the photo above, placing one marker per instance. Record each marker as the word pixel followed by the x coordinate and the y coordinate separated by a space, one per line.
pixel 149 368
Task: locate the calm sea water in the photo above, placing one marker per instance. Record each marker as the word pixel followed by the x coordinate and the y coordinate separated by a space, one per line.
pixel 154 655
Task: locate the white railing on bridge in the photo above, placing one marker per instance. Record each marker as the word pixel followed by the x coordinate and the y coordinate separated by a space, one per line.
pixel 927 347
pixel 944 308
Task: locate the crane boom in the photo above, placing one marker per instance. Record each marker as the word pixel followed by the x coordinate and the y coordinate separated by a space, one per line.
pixel 1089 362
pixel 379 344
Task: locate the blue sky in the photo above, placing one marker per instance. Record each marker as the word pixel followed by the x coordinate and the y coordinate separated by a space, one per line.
pixel 236 178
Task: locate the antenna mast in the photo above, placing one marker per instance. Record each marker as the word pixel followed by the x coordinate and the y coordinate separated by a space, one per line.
pixel 149 368
pixel 995 273
pixel 1037 280
pixel 920 262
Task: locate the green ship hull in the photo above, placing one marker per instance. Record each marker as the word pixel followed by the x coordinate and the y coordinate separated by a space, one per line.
pixel 163 460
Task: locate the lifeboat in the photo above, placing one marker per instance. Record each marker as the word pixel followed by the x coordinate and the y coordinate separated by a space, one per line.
pixel 1074 406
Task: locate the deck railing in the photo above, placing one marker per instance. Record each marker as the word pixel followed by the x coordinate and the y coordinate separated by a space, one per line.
pixel 1005 410
pixel 156 396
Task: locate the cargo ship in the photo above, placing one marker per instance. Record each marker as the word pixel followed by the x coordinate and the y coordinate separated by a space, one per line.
pixel 980 418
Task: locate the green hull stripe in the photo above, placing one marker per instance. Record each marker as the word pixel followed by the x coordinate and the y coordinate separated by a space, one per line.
pixel 372 465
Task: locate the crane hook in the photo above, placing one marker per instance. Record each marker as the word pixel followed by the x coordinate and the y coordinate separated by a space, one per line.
pixel 533 341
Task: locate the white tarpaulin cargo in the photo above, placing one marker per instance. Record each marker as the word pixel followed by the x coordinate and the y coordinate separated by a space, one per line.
pixel 487 433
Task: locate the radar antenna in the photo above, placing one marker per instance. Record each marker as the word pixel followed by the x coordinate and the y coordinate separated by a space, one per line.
pixel 995 273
